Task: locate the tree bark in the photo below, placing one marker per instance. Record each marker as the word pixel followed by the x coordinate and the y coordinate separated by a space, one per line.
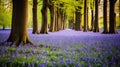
pixel 35 21
pixel 92 20
pixel 58 19
pixel 112 22
pixel 52 16
pixel 44 28
pixel 19 32
pixel 96 24
pixel 78 25
pixel 119 13
pixel 64 21
pixel 3 27
pixel 85 16
pixel 55 20
pixel 105 26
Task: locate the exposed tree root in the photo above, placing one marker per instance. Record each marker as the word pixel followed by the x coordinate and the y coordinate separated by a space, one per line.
pixel 104 32
pixel 35 32
pixel 18 43
pixel 43 32
pixel 113 32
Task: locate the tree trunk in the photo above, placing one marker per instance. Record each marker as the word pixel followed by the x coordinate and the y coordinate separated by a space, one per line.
pixel 58 19
pixel 105 30
pixel 55 20
pixel 92 20
pixel 19 32
pixel 96 24
pixel 85 16
pixel 78 25
pixel 3 27
pixel 112 22
pixel 61 18
pixel 52 15
pixel 35 21
pixel 119 13
pixel 64 21
pixel 71 23
pixel 44 28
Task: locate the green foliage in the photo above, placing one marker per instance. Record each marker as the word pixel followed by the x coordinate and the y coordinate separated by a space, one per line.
pixel 5 16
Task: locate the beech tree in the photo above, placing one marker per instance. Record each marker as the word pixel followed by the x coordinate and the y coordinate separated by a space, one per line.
pixel 119 13
pixel 105 25
pixel 44 11
pixel 78 17
pixel 85 16
pixel 96 24
pixel 19 32
pixel 52 16
pixel 112 17
pixel 78 25
pixel 35 21
pixel 64 20
pixel 92 14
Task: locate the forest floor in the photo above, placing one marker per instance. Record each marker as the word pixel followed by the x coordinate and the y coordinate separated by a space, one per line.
pixel 67 37
pixel 67 48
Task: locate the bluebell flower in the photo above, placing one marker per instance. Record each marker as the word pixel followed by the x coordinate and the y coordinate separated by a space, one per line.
pixel 5 48
pixel 53 64
pixel 112 61
pixel 88 64
pixel 104 65
pixel 16 52
pixel 28 55
pixel 29 65
pixel 78 64
pixel 33 64
pixel 67 61
pixel 1 52
pixel 39 65
pixel 43 65
pixel 61 58
pixel 12 56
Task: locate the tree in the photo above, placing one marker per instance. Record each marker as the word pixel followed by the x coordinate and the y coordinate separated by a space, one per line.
pixel 35 21
pixel 85 16
pixel 56 23
pixel 58 19
pixel 19 32
pixel 119 13
pixel 64 21
pixel 92 20
pixel 112 20
pixel 105 17
pixel 78 25
pixel 92 14
pixel 52 16
pixel 44 28
pixel 96 24
pixel 62 13
pixel 71 21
